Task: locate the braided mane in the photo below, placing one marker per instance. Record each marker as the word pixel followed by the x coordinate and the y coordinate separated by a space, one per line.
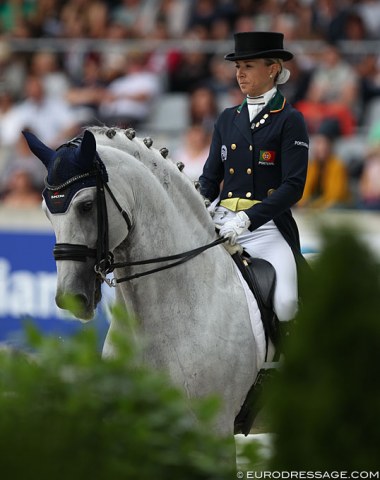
pixel 170 174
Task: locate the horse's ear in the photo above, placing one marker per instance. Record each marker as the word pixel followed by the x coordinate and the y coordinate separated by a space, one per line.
pixel 40 150
pixel 87 150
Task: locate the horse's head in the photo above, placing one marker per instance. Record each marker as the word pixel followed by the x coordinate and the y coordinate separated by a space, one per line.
pixel 74 201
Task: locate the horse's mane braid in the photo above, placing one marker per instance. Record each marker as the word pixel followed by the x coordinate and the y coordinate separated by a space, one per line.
pixel 159 161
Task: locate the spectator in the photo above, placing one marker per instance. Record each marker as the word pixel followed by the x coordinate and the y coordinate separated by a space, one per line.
pixel 369 182
pixel 73 28
pixel 88 93
pixel 222 76
pixel 351 28
pixel 137 16
pixel 327 183
pixel 355 28
pixel 6 109
pixel 327 18
pixel 129 98
pixel 46 65
pixel 370 12
pixel 12 69
pixel 295 19
pixel 192 68
pixel 194 149
pixel 97 19
pixel 244 23
pixel 203 106
pixel 22 178
pixel 175 14
pixel 332 92
pixel 368 194
pixel 12 13
pixel 162 61
pixel 20 192
pixel 51 119
pixel 368 71
pixel 204 13
pixel 296 87
pixel 45 20
pixel 112 59
pixel 220 29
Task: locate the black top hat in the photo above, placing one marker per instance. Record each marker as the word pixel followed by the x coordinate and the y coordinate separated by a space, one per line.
pixel 259 45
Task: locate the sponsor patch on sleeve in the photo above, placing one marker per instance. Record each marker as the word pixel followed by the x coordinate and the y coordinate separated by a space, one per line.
pixel 301 144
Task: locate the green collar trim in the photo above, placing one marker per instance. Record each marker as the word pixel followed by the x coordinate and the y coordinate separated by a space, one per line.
pixel 275 105
pixel 241 106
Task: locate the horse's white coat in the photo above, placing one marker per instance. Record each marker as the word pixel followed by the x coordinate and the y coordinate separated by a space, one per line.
pixel 194 316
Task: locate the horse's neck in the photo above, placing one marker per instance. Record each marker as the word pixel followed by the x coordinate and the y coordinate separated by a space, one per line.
pixel 165 222
pixel 167 213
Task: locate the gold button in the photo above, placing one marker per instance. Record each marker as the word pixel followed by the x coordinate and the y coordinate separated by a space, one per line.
pixel 249 171
pixel 248 194
pixel 232 171
pixel 233 146
pixel 250 148
pixel 270 191
pixel 266 116
pixel 229 194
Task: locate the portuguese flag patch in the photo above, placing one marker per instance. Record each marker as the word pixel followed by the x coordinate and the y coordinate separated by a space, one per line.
pixel 267 157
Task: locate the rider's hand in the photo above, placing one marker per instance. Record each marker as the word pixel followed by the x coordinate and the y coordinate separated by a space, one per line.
pixel 235 227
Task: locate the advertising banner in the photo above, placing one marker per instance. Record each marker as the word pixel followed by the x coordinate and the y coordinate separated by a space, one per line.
pixel 27 288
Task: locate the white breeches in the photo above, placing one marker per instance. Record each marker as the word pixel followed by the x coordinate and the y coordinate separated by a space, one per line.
pixel 267 242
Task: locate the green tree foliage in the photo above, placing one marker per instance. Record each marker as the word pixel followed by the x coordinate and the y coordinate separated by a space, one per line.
pixel 325 403
pixel 65 413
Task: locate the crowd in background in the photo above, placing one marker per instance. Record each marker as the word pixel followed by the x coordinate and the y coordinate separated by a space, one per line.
pixel 154 49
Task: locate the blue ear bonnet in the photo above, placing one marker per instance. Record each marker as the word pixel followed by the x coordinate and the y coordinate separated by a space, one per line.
pixel 72 167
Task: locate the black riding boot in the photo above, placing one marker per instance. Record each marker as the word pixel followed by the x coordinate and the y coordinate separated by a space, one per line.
pixel 284 330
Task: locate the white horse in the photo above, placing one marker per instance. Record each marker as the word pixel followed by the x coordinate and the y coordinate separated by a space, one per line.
pixel 195 315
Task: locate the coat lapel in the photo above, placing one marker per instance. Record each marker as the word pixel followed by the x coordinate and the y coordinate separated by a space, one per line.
pixel 261 120
pixel 242 121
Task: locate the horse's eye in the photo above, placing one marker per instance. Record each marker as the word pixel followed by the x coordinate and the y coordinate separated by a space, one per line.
pixel 86 207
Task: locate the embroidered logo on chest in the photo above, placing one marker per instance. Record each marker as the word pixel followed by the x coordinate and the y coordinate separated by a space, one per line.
pixel 223 153
pixel 267 157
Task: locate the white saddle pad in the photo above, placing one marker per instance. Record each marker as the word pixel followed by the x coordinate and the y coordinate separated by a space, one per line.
pixel 256 323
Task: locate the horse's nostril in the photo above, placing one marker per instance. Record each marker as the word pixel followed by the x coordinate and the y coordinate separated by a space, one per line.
pixel 80 300
pixel 60 300
pixel 71 302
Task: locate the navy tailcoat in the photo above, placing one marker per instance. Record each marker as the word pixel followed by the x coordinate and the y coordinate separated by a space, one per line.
pixel 264 160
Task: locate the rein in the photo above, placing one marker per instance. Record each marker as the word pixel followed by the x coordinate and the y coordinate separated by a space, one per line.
pixel 179 257
pixel 104 258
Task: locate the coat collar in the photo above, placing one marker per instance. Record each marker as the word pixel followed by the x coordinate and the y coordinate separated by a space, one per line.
pixel 275 105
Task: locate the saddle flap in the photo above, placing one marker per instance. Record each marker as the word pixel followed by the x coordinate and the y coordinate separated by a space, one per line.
pixel 260 276
pixel 265 278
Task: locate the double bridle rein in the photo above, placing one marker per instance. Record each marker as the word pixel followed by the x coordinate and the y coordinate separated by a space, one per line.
pixel 104 258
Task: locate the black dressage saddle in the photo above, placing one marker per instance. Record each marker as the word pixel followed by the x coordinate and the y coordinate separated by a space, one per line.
pixel 260 276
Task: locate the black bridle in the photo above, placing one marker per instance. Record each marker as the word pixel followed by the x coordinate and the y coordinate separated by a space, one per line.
pixel 104 258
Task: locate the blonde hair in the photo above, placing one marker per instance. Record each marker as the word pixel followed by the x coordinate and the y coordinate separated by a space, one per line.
pixel 271 61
